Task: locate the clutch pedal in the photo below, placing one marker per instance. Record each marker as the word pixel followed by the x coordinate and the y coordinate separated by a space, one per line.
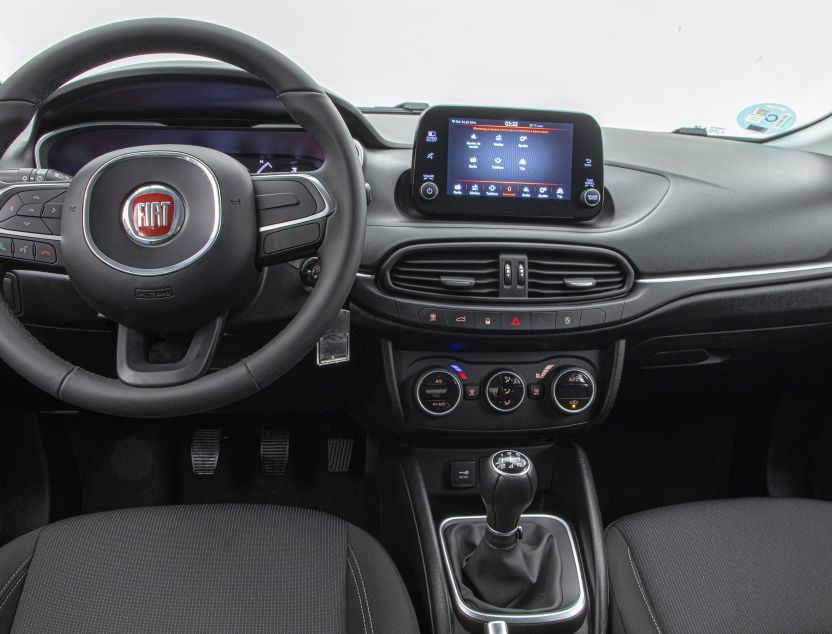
pixel 205 451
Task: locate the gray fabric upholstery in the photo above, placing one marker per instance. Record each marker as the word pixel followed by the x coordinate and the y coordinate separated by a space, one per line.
pixel 732 566
pixel 204 569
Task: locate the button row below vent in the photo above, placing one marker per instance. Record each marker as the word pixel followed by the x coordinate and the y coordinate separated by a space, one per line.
pixel 508 321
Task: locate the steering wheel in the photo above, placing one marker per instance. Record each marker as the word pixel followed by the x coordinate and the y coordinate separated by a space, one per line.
pixel 166 239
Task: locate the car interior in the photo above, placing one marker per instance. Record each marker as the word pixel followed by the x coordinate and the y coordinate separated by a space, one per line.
pixel 272 362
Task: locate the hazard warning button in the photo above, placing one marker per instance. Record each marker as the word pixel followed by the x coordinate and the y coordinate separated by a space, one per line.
pixel 514 321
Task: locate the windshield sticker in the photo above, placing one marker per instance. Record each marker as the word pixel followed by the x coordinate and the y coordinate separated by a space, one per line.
pixel 767 118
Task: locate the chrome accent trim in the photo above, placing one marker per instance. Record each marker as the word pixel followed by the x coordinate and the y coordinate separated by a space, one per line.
pixel 329 203
pixel 496 627
pixel 591 382
pixel 494 407
pixel 175 225
pixel 25 234
pixel 503 473
pixel 514 531
pixel 422 378
pixel 566 613
pixel 215 190
pixel 366 276
pixel 798 268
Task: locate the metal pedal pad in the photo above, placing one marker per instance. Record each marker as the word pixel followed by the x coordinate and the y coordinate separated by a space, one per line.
pixel 205 451
pixel 274 451
pixel 338 454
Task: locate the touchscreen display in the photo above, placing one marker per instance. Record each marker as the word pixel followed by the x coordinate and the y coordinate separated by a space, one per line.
pixel 509 159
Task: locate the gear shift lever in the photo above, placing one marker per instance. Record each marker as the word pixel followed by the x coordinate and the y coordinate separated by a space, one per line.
pixel 507 486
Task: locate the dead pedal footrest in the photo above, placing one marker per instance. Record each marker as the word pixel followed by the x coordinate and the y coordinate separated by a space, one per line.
pixel 205 451
pixel 338 453
pixel 274 451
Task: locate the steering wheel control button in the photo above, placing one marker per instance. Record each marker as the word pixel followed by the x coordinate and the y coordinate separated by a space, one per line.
pixel 472 392
pixel 37 196
pixel 573 390
pixel 10 208
pixel 510 463
pixel 505 391
pixel 438 392
pixel 463 474
pixel 33 210
pixel 45 253
pixel 535 391
pixel 433 317
pixel 54 208
pixel 514 321
pixel 5 247
pixel 590 197
pixel 428 191
pixel 23 249
pixel 24 223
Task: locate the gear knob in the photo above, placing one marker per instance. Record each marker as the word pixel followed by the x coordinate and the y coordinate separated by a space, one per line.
pixel 507 486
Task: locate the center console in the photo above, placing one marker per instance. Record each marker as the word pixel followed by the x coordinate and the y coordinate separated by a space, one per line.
pixel 489 344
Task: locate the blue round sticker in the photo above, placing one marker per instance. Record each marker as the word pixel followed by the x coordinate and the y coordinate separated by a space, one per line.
pixel 767 118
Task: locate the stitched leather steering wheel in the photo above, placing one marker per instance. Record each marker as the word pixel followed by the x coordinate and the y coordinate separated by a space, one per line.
pixel 166 239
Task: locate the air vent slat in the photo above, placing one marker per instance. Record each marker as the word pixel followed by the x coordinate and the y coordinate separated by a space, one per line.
pixel 548 272
pixel 427 274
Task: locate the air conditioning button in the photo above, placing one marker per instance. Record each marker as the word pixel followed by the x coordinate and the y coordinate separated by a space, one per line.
pixel 438 392
pixel 573 390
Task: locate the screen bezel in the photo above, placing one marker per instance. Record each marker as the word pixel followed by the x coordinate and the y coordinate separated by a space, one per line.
pixel 586 143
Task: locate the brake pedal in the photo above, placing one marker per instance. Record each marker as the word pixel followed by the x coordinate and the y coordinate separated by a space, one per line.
pixel 274 451
pixel 205 451
pixel 339 454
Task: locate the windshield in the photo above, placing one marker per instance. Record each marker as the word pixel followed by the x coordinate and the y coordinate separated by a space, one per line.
pixel 741 69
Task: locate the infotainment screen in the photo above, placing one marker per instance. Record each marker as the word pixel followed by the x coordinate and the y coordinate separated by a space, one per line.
pixel 512 163
pixel 509 158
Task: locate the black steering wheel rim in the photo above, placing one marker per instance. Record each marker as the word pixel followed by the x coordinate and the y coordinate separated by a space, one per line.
pixel 340 251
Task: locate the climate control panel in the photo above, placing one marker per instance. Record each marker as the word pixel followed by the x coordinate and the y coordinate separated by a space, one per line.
pixel 478 393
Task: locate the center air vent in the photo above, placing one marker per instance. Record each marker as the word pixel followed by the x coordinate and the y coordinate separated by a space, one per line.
pixel 559 275
pixel 447 273
pixel 534 273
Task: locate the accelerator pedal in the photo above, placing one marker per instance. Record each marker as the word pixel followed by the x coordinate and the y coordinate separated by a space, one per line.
pixel 205 451
pixel 338 453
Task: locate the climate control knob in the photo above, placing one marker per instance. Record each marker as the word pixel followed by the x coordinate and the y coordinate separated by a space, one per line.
pixel 573 390
pixel 505 391
pixel 438 392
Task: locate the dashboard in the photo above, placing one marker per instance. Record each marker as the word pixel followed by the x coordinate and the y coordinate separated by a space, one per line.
pixel 482 301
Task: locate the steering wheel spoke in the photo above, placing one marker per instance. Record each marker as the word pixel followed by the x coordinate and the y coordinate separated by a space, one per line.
pixel 145 361
pixel 292 212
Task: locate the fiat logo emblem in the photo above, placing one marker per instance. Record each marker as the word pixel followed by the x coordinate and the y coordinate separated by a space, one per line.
pixel 153 214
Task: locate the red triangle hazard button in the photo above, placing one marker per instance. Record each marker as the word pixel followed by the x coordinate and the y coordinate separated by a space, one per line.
pixel 516 322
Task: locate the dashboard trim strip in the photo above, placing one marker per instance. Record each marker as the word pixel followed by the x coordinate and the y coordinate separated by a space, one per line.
pixel 801 268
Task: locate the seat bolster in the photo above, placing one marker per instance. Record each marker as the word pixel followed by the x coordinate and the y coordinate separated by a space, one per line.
pixel 377 600
pixel 15 558
pixel 632 609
